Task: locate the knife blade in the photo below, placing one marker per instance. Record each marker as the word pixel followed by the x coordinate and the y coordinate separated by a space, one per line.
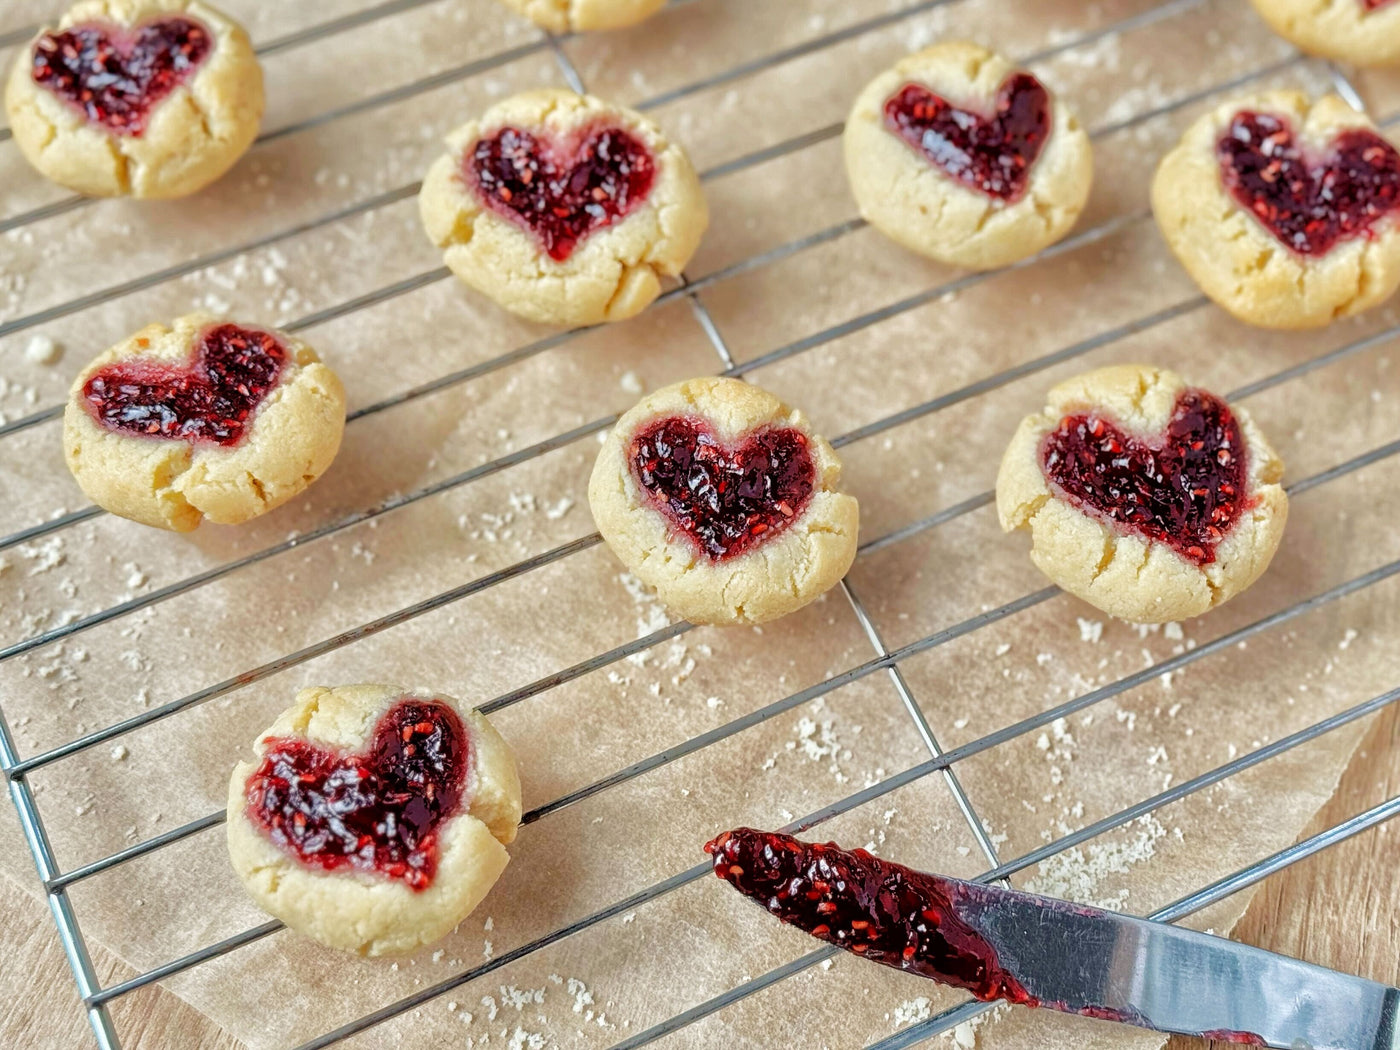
pixel 1038 951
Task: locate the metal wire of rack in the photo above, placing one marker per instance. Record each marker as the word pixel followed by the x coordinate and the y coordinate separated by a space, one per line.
pixel 886 660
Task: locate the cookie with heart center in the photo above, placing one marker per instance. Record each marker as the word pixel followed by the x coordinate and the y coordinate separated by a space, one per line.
pixel 147 98
pixel 724 500
pixel 1149 498
pixel 202 419
pixel 373 818
pixel 564 209
pixel 1286 213
pixel 1360 32
pixel 960 156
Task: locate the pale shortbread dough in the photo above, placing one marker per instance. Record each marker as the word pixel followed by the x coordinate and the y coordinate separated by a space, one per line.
pixel 1341 29
pixel 768 581
pixel 1236 260
pixel 173 484
pixel 581 16
pixel 616 271
pixel 361 911
pixel 191 138
pixel 905 196
pixel 1126 576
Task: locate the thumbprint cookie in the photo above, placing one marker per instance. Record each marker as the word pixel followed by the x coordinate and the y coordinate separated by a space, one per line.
pixel 140 98
pixel 1362 32
pixel 724 500
pixel 958 155
pixel 200 419
pixel 564 209
pixel 582 16
pixel 1148 498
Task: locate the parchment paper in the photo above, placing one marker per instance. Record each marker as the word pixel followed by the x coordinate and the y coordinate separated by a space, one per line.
pixel 641 967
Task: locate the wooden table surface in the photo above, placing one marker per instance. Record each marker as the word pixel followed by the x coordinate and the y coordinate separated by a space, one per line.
pixel 1340 909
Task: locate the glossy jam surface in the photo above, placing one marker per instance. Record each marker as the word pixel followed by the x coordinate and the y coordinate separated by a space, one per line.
pixel 211 400
pixel 1309 202
pixel 117 76
pixel 727 500
pixel 562 192
pixel 1185 488
pixel 992 154
pixel 379 810
pixel 876 909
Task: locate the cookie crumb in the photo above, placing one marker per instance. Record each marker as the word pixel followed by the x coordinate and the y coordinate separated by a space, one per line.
pixel 43 351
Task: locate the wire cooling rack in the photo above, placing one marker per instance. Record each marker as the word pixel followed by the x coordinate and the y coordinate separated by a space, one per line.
pixel 885 661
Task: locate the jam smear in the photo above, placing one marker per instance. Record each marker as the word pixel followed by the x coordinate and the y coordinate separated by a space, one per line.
pixel 1222 1035
pixel 212 400
pixel 1308 202
pixel 561 192
pixel 379 810
pixel 727 500
pixel 874 908
pixel 1186 489
pixel 1375 5
pixel 117 76
pixel 993 155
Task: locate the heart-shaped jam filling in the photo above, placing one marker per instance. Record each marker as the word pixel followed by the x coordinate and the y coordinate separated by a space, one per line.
pixel 562 191
pixel 1185 489
pixel 992 154
pixel 212 400
pixel 379 810
pixel 1309 202
pixel 116 76
pixel 727 500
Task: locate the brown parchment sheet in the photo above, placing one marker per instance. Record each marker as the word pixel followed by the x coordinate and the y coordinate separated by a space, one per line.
pixel 644 965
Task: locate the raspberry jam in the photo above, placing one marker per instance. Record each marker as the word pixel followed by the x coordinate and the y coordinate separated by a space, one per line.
pixel 117 76
pixel 876 909
pixel 992 154
pixel 1373 5
pixel 1186 489
pixel 727 500
pixel 1308 202
pixel 562 192
pixel 210 401
pixel 379 810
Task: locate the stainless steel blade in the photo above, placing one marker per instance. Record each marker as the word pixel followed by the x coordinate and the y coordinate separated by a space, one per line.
pixel 1101 964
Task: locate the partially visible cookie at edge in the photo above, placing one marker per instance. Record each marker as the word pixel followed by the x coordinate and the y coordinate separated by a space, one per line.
pixel 981 204
pixel 1079 476
pixel 504 206
pixel 583 16
pixel 167 135
pixel 1361 32
pixel 723 499
pixel 202 419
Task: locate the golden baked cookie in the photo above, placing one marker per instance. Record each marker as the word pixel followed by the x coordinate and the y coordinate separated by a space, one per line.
pixel 202 419
pixel 581 16
pixel 564 209
pixel 1285 212
pixel 141 98
pixel 373 818
pixel 722 498
pixel 1362 32
pixel 1153 500
pixel 958 155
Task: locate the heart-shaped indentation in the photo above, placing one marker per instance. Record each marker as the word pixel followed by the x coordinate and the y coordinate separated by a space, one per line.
pixel 992 154
pixel 1185 489
pixel 562 191
pixel 379 810
pixel 727 500
pixel 212 400
pixel 116 76
pixel 1309 202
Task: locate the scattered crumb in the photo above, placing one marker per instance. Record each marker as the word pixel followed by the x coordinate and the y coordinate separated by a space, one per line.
pixel 631 383
pixel 119 753
pixel 43 351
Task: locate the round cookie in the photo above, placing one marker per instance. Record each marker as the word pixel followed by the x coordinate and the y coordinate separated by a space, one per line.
pixel 722 498
pixel 1150 499
pixel 373 819
pixel 1013 171
pixel 582 16
pixel 202 419
pixel 564 209
pixel 1362 32
pixel 1286 213
pixel 141 98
